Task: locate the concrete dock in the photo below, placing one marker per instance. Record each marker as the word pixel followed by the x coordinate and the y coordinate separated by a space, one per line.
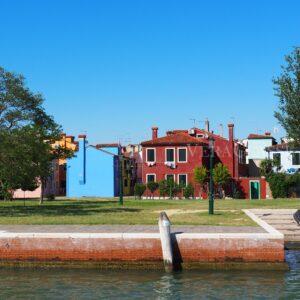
pixel 283 221
pixel 124 244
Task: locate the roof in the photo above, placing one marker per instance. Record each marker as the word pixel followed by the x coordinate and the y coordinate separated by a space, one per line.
pixel 254 136
pixel 112 145
pixel 174 139
pixel 283 147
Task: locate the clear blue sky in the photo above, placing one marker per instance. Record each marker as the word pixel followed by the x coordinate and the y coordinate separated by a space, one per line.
pixel 115 68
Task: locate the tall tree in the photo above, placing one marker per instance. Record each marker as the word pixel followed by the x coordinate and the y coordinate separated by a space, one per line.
pixel 200 177
pixel 221 177
pixel 287 88
pixel 26 135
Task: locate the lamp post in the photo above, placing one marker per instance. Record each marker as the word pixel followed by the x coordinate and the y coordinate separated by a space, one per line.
pixel 120 156
pixel 211 179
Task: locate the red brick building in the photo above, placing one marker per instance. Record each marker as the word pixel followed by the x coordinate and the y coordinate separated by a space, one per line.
pixel 177 154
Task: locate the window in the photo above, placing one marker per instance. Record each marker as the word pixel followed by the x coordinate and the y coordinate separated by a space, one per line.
pixel 182 179
pixel 277 158
pixel 151 178
pixel 296 159
pixel 170 155
pixel 242 158
pixel 182 155
pixel 150 155
pixel 170 177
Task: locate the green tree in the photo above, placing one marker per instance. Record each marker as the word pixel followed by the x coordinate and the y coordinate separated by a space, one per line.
pixel 169 188
pixel 152 187
pixel 26 135
pixel 139 190
pixel 267 167
pixel 221 177
pixel 200 177
pixel 287 89
pixel 188 191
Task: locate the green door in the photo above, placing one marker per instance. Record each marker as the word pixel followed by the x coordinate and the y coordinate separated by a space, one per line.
pixel 254 189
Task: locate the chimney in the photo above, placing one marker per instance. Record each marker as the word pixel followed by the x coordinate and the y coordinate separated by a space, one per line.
pixel 206 125
pixel 154 132
pixel 230 132
pixel 221 130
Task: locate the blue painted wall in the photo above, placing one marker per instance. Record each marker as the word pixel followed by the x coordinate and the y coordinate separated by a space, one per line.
pixel 92 172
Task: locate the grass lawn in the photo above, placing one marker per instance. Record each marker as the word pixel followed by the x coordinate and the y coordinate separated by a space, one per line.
pixel 107 211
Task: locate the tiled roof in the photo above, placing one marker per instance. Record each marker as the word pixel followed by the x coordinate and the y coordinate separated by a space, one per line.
pixel 112 145
pixel 283 147
pixel 174 139
pixel 254 136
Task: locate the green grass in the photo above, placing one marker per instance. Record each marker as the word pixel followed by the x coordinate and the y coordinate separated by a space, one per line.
pixel 107 211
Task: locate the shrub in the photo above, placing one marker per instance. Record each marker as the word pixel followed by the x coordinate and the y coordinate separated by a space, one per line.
pixel 50 197
pixel 188 191
pixel 279 185
pixel 168 188
pixel 139 190
pixel 152 187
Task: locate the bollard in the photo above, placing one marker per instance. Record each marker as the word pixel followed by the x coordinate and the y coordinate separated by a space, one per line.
pixel 166 242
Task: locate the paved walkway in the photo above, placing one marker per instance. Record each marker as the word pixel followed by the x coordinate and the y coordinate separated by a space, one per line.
pixel 282 220
pixel 127 229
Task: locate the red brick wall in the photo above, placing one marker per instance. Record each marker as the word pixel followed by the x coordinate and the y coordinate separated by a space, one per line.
pixel 244 184
pixel 141 249
pixel 195 158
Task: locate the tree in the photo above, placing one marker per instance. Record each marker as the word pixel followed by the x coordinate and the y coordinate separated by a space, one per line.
pixel 139 190
pixel 169 187
pixel 26 135
pixel 163 188
pixel 267 167
pixel 152 187
pixel 287 89
pixel 188 191
pixel 200 177
pixel 221 177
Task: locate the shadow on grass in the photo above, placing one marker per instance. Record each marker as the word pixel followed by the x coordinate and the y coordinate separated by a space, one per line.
pixel 85 209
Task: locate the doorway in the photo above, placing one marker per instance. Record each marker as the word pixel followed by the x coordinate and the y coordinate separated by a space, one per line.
pixel 254 189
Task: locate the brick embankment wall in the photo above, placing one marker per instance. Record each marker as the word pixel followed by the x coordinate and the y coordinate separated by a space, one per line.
pixel 226 249
pixel 140 247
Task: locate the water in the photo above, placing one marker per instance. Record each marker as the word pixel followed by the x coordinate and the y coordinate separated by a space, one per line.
pixel 93 284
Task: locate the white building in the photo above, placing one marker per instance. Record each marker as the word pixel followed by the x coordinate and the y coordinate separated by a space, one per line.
pixel 289 158
pixel 257 144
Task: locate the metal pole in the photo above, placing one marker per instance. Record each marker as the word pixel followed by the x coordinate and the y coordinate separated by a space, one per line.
pixel 211 182
pixel 120 177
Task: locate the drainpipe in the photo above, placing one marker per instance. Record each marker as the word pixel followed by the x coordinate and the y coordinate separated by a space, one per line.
pixel 231 143
pixel 82 154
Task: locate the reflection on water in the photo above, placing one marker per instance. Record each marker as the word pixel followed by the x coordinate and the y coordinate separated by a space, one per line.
pixel 93 284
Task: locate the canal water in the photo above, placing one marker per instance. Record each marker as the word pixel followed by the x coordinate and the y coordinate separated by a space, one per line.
pixel 93 284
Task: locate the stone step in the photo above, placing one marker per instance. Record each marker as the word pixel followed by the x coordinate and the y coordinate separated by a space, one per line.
pixel 287 222
pixel 292 238
pixel 287 227
pixel 273 217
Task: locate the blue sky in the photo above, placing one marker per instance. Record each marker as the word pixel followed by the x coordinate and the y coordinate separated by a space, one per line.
pixel 113 68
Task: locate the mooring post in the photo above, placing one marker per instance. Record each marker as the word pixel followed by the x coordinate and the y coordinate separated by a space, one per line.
pixel 166 242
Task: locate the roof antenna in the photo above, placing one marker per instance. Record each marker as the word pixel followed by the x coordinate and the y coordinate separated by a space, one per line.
pixel 194 121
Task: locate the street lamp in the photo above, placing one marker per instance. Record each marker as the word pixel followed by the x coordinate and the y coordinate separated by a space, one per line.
pixel 120 160
pixel 211 179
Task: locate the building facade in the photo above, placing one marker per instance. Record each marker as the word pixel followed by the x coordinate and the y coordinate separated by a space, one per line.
pixel 256 151
pixel 94 171
pixel 179 152
pixel 288 157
